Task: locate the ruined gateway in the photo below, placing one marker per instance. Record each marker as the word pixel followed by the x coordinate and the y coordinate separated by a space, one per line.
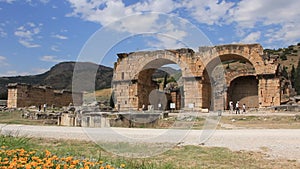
pixel 205 85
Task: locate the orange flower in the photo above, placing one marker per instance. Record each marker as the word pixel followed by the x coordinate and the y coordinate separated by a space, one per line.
pixel 34 164
pixel 75 162
pixel 57 167
pixel 68 159
pixel 47 153
pixel 35 158
pixel 28 166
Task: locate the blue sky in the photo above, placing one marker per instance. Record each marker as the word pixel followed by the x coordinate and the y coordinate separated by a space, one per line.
pixel 37 34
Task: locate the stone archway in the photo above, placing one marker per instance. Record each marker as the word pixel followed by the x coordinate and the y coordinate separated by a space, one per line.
pixel 200 88
pixel 132 85
pixel 263 69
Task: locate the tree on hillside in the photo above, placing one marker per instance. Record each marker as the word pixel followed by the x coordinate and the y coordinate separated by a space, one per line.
pixel 112 100
pixel 297 79
pixel 293 76
pixel 284 72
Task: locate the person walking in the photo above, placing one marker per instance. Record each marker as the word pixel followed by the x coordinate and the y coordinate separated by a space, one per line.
pixel 244 108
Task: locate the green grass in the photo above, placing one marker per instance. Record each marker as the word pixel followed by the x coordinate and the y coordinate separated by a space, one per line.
pixel 176 158
pixel 15 117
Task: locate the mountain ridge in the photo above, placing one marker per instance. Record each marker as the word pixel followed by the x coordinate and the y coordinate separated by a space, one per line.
pixel 60 77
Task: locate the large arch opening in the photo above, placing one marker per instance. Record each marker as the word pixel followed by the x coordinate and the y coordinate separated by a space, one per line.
pixel 159 84
pixel 245 90
pixel 229 75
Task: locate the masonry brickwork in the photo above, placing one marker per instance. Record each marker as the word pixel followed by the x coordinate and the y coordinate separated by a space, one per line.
pixel 24 95
pixel 132 76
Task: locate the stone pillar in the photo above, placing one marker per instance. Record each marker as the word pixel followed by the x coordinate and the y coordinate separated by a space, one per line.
pixel 192 93
pixel 125 95
pixel 268 91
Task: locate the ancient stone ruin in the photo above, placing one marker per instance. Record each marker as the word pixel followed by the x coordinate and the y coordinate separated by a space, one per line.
pixel 207 82
pixel 24 95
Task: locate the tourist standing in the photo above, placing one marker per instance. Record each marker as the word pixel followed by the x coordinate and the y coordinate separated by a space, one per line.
pixel 237 108
pixel 45 106
pixel 230 107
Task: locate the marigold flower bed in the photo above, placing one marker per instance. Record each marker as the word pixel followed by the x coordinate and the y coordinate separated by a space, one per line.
pixel 21 158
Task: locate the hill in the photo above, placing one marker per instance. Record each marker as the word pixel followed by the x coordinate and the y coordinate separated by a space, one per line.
pixel 60 77
pixel 289 59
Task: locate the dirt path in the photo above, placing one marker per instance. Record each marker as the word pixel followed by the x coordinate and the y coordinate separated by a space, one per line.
pixel 276 143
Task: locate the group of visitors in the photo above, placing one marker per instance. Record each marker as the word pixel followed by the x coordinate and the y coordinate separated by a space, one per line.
pixel 236 108
pixel 44 107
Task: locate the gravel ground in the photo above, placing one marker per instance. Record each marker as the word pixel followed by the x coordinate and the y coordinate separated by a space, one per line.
pixel 276 143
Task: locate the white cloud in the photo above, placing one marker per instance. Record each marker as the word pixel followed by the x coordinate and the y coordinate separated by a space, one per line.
pixel 164 6
pixel 283 15
pixel 38 71
pixel 3 61
pixel 8 1
pixel 253 37
pixel 2 33
pixel 246 17
pixel 44 1
pixel 105 11
pixel 9 73
pixel 55 48
pixel 33 71
pixel 60 37
pixel 165 42
pixel 209 12
pixel 132 18
pixel 49 58
pixel 35 3
pixel 27 33
pixel 28 44
pixel 250 12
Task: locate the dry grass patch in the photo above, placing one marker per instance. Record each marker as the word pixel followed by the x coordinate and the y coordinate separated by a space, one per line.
pixel 262 122
pixel 15 117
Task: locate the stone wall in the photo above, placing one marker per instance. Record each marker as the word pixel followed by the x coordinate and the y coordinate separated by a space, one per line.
pixel 132 85
pixel 245 90
pixel 269 93
pixel 23 95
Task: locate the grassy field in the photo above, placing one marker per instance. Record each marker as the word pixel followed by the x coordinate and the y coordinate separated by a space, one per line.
pixel 100 95
pixel 262 121
pixel 15 117
pixel 177 158
pixel 226 122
